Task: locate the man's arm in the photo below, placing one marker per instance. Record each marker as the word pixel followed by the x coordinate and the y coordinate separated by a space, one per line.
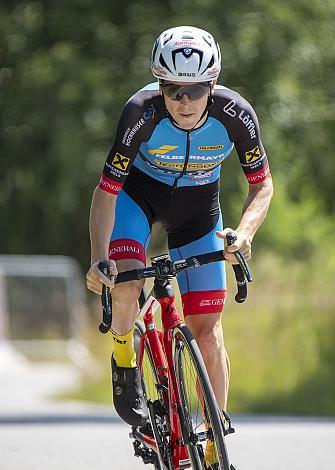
pixel 101 225
pixel 132 129
pixel 242 125
pixel 254 211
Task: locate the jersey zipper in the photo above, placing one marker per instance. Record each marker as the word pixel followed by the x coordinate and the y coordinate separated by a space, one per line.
pixel 187 156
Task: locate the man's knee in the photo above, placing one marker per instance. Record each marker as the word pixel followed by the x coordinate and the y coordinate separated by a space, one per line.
pixel 210 339
pixel 127 292
pixel 207 330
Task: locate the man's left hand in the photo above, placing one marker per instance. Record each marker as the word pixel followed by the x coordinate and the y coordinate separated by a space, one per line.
pixel 242 243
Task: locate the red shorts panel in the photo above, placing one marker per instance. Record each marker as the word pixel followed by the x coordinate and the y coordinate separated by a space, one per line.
pixel 202 302
pixel 126 248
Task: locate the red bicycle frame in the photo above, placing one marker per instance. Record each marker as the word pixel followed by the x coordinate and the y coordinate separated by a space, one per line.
pixel 170 407
pixel 161 348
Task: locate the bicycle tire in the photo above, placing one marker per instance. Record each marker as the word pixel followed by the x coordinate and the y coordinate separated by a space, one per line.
pixel 149 381
pixel 192 379
pixel 149 375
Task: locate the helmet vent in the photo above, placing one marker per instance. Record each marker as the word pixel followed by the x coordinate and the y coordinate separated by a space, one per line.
pixel 163 63
pixel 211 63
pixel 188 35
pixel 209 42
pixel 167 39
pixel 154 50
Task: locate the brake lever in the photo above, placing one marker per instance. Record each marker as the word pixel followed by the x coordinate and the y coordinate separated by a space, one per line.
pixel 231 239
pixel 106 301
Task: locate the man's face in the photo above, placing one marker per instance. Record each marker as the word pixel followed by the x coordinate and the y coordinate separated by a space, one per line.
pixel 186 112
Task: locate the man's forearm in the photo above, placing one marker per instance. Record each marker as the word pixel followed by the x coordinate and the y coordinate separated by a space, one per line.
pixel 101 224
pixel 256 207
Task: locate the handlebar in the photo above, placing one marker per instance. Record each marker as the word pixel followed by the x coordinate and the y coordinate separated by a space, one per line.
pixel 163 268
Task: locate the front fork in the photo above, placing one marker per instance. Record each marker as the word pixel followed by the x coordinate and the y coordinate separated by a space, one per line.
pixel 161 348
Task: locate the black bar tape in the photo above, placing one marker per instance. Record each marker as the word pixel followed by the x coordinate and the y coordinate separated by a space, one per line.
pixel 106 301
pixel 241 284
pixel 132 275
pixel 206 258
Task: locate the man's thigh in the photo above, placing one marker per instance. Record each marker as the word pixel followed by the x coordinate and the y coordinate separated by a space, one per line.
pixel 131 234
pixel 203 290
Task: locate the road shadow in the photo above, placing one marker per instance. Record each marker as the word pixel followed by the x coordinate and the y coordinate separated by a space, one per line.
pixel 66 418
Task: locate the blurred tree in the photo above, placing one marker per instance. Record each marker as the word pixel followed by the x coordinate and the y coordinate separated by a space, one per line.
pixel 67 68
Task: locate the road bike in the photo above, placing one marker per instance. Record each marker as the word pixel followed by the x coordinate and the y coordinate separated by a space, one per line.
pixel 186 428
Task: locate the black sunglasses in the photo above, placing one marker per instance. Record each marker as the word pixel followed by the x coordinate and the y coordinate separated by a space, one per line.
pixel 194 92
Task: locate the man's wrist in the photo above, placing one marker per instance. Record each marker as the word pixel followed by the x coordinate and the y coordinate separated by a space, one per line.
pixel 97 259
pixel 245 232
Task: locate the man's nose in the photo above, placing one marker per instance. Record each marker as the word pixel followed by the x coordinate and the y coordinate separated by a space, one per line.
pixel 185 99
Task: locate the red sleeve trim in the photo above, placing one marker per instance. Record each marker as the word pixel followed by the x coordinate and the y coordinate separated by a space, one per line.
pixel 110 186
pixel 260 176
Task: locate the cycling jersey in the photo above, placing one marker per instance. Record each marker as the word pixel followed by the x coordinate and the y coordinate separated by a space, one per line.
pixel 147 139
pixel 168 175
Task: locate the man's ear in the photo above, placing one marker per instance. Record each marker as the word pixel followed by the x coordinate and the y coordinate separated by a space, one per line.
pixel 213 85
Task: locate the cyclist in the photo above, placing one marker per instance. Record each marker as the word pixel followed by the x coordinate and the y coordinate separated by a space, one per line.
pixel 164 166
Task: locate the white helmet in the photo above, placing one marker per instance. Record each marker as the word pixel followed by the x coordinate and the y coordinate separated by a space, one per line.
pixel 186 54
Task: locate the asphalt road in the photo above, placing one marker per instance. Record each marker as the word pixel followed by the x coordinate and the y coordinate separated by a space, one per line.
pixel 37 433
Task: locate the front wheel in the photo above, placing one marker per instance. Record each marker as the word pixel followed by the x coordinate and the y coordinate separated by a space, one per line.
pixel 203 432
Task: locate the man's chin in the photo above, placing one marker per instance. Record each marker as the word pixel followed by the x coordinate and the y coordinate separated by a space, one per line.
pixel 186 123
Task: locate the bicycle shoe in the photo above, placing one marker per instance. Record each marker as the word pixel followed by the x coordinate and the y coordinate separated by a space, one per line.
pixel 128 395
pixel 147 429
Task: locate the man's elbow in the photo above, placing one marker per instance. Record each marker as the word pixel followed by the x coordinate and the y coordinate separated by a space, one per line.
pixel 102 198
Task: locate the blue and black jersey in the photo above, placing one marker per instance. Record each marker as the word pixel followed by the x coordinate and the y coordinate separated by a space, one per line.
pixel 148 140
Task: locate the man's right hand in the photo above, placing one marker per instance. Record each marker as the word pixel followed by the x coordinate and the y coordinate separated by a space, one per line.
pixel 95 279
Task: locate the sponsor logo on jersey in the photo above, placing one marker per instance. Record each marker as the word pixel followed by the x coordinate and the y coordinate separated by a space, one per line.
pixel 202 175
pixel 260 176
pixel 114 172
pixel 163 149
pixel 249 123
pixel 201 182
pixel 245 118
pixel 108 185
pixel 130 133
pixel 253 154
pixel 230 108
pixel 211 147
pixel 202 158
pixel 149 113
pixel 190 166
pixel 120 161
